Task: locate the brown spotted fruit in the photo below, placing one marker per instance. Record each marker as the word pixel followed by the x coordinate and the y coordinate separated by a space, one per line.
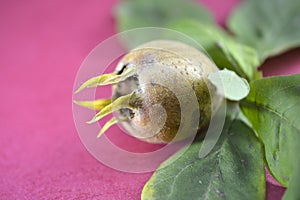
pixel 150 87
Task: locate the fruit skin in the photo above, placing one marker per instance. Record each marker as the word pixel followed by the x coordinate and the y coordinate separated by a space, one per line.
pixel 192 64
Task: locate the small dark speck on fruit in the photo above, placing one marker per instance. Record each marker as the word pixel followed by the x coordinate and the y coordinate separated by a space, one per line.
pixel 152 83
pixel 120 85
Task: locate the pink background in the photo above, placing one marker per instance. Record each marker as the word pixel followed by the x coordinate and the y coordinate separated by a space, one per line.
pixel 42 45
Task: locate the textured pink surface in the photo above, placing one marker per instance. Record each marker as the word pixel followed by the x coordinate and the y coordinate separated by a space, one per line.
pixel 42 45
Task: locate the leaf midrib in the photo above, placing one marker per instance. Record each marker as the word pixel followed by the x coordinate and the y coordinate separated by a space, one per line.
pixel 219 157
pixel 217 153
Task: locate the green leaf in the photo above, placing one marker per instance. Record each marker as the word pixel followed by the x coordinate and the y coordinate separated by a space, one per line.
pixel 230 84
pixel 234 169
pixel 293 191
pixel 270 26
pixel 272 107
pixel 225 51
pixel 157 13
